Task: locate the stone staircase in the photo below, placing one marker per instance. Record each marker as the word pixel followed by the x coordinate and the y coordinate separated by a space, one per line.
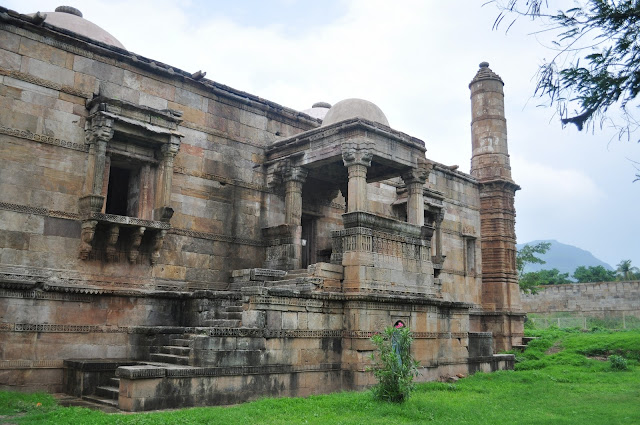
pixel 229 317
pixel 177 351
pixel 316 277
pixel 106 394
pixel 296 280
pixel 525 341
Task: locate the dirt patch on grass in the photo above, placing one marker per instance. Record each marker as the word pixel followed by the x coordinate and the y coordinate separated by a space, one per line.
pixel 555 348
pixel 600 358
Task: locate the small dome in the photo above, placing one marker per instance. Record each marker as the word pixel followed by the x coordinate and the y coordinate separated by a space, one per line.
pixel 354 108
pixel 70 18
pixel 318 110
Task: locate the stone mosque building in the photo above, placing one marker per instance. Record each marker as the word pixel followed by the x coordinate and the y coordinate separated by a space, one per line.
pixel 169 241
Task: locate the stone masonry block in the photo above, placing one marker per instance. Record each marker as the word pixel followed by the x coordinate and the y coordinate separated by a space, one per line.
pixel 289 320
pixel 253 318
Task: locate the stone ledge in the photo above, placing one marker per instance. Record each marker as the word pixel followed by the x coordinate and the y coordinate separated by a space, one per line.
pixel 97 364
pixel 150 371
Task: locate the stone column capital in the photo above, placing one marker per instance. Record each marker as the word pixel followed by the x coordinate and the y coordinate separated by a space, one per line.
pixel 170 150
pixel 417 174
pixel 356 154
pixel 101 129
pixel 294 173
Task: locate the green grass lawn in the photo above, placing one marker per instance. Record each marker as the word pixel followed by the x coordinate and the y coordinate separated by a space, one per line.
pixel 566 386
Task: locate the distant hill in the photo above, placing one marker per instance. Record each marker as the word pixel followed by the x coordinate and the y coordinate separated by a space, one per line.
pixel 565 258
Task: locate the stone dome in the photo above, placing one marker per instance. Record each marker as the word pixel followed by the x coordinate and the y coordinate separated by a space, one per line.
pixel 318 110
pixel 70 18
pixel 354 108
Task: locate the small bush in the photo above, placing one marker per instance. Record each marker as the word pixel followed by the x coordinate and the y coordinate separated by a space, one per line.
pixel 394 366
pixel 618 362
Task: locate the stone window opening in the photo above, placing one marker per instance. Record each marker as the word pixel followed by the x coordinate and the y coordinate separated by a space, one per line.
pixel 126 207
pixel 118 193
pixel 470 256
pixel 128 187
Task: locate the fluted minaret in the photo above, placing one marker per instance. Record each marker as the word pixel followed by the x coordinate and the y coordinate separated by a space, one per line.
pixel 490 166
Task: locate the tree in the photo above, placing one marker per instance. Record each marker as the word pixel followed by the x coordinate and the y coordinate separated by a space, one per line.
pixel 593 274
pixel 543 277
pixel 603 34
pixel 626 271
pixel 527 255
pixel 597 60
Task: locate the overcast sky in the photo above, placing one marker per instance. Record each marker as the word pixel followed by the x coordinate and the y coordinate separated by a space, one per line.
pixel 414 59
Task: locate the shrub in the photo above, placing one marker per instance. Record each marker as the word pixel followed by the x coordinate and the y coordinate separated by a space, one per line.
pixel 618 362
pixel 394 367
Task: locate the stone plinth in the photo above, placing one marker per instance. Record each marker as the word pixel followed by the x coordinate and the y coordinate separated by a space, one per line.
pixel 284 249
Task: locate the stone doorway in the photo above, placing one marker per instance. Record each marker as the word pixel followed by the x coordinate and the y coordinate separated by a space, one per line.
pixel 309 244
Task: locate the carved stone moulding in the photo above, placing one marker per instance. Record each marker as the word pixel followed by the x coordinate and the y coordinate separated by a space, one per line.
pixel 387 225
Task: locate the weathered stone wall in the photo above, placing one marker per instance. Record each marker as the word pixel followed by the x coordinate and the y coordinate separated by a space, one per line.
pixel 461 276
pixel 218 185
pixel 41 328
pixel 597 299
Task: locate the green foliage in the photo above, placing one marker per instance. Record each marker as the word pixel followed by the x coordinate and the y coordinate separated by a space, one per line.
pixel 527 255
pixel 13 403
pixel 544 277
pixel 593 274
pixel 394 366
pixel 573 347
pixel 618 362
pixel 596 62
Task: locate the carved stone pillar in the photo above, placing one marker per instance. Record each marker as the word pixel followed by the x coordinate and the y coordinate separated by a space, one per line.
pixel 97 137
pixel 163 210
pixel 294 177
pixel 438 258
pixel 414 179
pixel 357 159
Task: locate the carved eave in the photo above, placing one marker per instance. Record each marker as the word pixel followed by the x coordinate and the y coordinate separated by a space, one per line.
pixel 139 124
pixel 321 150
pixel 500 183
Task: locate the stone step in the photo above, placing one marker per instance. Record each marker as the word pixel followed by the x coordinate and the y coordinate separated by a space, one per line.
pixel 233 358
pixel 291 274
pixel 169 358
pixel 233 309
pixel 172 349
pixel 114 382
pixel 231 315
pixel 519 347
pixel 223 323
pixel 181 342
pixel 107 392
pixel 285 282
pixel 100 400
pixel 527 339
